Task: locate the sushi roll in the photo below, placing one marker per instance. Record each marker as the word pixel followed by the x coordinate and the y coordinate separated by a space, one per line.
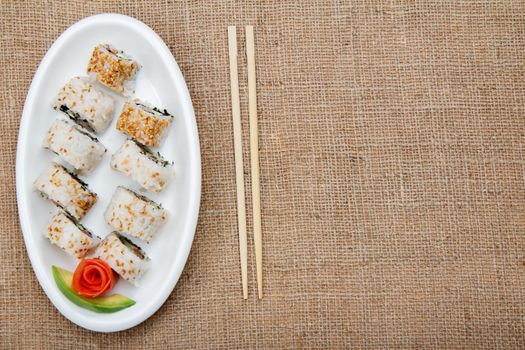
pixel 65 190
pixel 113 68
pixel 144 123
pixel 126 258
pixel 150 170
pixel 134 214
pixel 74 145
pixel 68 234
pixel 86 104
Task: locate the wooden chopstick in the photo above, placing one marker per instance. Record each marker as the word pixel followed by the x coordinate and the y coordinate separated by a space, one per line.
pixel 254 155
pixel 239 170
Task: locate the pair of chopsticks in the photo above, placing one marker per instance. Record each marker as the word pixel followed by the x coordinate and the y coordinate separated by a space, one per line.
pixel 254 155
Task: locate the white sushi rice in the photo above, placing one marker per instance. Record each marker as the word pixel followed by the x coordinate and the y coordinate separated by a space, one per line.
pixel 86 104
pixel 65 190
pixel 74 145
pixel 114 69
pixel 133 214
pixel 127 259
pixel 66 233
pixel 149 170
pixel 144 123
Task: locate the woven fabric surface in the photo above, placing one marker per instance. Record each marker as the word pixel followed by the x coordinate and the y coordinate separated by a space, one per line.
pixel 392 152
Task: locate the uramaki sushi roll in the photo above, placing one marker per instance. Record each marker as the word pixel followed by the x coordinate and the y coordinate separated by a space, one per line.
pixel 144 123
pixel 136 215
pixel 86 104
pixel 126 258
pixel 74 145
pixel 68 234
pixel 65 190
pixel 113 68
pixel 150 170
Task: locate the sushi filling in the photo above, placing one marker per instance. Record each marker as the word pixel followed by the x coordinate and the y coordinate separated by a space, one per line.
pixel 144 198
pixel 83 132
pixel 79 225
pixel 76 118
pixel 153 110
pixel 74 176
pixel 157 158
pixel 117 53
pixel 135 249
pixel 46 197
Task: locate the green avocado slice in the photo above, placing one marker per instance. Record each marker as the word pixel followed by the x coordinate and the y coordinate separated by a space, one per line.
pixel 106 305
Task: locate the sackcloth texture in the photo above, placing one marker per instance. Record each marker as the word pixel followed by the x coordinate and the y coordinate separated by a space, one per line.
pixel 392 144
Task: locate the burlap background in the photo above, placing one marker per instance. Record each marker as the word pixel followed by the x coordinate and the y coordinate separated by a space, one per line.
pixel 392 153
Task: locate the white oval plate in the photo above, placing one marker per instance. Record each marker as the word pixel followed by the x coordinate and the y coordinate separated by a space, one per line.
pixel 159 82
